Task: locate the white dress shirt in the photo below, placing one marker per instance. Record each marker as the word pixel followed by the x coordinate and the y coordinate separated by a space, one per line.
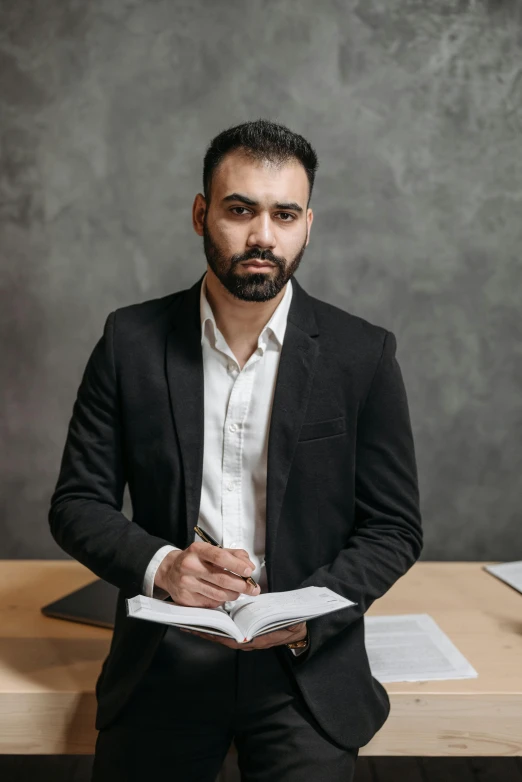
pixel 237 411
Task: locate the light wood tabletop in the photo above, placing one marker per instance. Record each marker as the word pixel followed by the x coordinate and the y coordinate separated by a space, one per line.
pixel 48 667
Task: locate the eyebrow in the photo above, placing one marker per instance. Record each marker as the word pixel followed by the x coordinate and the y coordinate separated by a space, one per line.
pixel 278 205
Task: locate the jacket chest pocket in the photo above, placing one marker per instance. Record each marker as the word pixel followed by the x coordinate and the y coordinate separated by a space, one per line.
pixel 316 430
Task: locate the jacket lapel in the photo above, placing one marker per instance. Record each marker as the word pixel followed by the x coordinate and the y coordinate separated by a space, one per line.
pixel 184 367
pixel 293 385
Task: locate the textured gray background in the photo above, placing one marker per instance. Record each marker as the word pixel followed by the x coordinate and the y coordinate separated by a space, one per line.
pixel 414 108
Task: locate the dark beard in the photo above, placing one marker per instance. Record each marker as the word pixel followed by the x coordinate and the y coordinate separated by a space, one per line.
pixel 255 286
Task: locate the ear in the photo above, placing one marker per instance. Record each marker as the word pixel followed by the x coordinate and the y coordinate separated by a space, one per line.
pixel 309 220
pixel 199 209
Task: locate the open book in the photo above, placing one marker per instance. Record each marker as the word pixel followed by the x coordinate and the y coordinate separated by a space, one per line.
pixel 248 618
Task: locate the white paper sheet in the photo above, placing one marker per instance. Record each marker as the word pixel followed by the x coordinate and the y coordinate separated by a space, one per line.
pixel 510 572
pixel 412 648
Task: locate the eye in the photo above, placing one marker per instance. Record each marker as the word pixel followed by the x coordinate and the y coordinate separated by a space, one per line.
pixel 286 215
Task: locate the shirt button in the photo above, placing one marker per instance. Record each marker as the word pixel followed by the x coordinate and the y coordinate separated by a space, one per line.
pixel 230 487
pixel 231 367
pixel 232 428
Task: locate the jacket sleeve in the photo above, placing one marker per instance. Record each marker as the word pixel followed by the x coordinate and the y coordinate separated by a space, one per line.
pixel 85 515
pixel 388 537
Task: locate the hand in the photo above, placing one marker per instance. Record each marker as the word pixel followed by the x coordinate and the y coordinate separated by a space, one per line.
pixel 277 638
pixel 196 576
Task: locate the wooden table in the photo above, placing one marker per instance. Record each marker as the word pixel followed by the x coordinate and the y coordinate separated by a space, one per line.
pixel 48 667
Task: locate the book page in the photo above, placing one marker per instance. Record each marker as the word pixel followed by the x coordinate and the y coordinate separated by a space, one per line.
pixel 509 572
pixel 272 608
pixel 154 610
pixel 412 648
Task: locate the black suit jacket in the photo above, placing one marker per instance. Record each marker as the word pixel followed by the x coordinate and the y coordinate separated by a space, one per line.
pixel 342 493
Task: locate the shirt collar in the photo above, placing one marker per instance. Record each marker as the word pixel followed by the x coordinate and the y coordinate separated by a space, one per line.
pixel 275 326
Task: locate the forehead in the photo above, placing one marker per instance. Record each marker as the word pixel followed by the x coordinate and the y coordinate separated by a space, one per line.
pixel 238 172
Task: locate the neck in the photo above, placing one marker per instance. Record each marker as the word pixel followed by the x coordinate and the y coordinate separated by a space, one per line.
pixel 238 321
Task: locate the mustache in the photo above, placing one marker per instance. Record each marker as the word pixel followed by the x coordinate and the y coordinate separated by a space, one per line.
pixel 259 255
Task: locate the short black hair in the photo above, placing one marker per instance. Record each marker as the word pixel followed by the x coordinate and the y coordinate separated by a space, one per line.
pixel 262 140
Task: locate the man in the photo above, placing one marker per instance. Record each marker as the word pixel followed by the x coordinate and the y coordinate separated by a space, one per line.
pixel 279 424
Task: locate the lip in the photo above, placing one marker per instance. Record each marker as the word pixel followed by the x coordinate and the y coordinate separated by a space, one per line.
pixel 258 264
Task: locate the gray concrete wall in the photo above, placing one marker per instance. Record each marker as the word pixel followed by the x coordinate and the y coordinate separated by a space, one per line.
pixel 415 109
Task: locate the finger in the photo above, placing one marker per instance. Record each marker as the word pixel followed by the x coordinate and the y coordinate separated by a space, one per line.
pixel 225 580
pixel 220 586
pixel 226 558
pixel 210 591
pixel 194 564
pixel 238 552
pixel 295 632
pixel 286 633
pixel 277 638
pixel 297 628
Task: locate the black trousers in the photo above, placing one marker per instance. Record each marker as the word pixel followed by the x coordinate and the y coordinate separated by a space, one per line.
pixel 198 697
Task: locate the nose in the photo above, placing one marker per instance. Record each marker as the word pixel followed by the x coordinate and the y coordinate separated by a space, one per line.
pixel 262 234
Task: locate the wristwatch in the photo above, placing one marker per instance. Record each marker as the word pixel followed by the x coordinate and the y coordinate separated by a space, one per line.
pixel 299 644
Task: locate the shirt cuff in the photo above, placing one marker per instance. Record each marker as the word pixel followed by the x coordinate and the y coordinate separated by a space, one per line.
pixel 297 652
pixel 149 589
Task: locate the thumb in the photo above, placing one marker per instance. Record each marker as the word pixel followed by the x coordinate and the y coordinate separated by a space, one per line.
pixel 297 628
